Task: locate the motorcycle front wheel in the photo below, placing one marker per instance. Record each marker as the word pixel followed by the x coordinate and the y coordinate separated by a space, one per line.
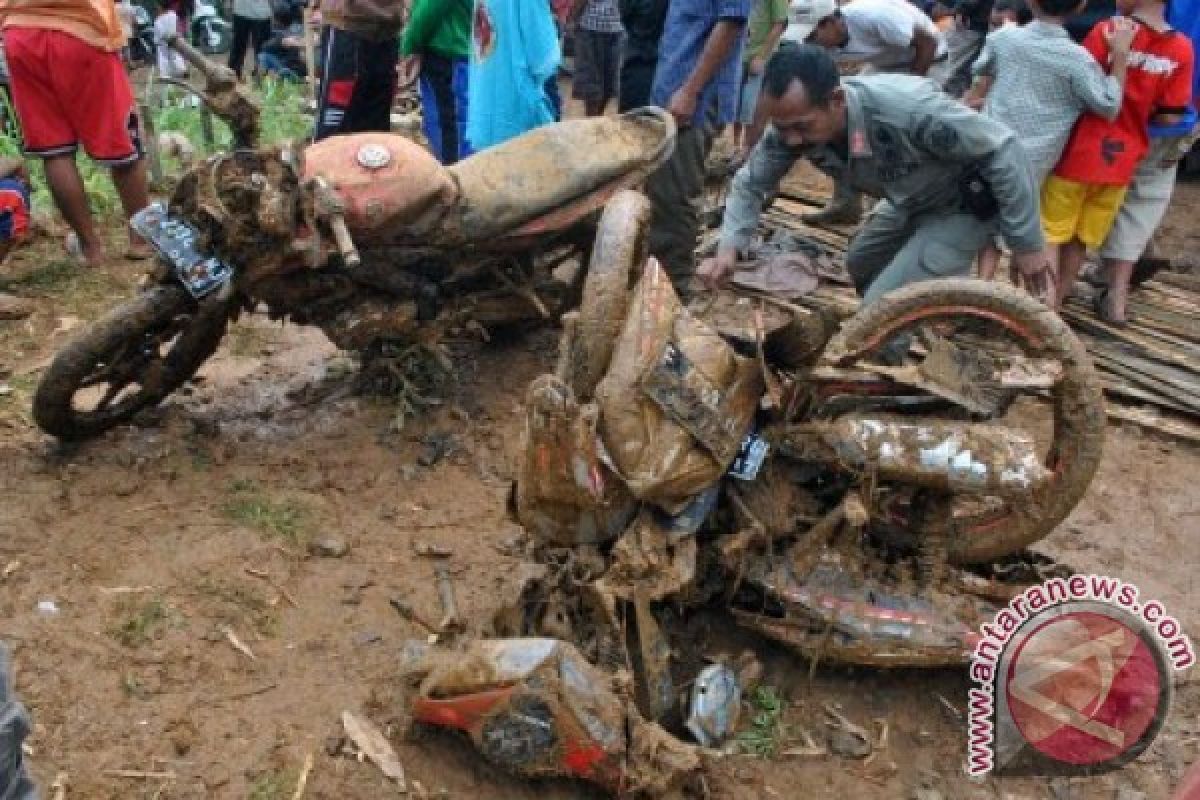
pixel 130 359
pixel 1008 332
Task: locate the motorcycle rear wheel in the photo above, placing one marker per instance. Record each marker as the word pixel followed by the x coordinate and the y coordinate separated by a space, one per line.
pixel 141 351
pixel 1077 401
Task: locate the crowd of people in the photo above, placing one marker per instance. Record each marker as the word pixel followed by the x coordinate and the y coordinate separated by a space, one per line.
pixel 979 125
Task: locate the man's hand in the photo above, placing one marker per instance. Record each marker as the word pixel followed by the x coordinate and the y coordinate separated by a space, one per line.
pixel 410 69
pixel 1120 36
pixel 714 272
pixel 1034 271
pixel 757 65
pixel 682 105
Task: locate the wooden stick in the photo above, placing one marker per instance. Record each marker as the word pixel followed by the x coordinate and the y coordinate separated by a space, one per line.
pixel 302 781
pixel 137 774
pixel 310 61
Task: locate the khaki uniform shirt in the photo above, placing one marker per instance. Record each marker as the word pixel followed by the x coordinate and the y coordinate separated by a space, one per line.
pixel 909 143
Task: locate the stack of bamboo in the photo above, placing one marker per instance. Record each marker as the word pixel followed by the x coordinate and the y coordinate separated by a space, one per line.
pixel 1150 368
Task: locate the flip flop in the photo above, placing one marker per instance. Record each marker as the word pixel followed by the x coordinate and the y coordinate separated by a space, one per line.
pixel 75 249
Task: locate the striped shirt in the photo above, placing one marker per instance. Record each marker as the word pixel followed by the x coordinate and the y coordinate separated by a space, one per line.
pixel 1042 83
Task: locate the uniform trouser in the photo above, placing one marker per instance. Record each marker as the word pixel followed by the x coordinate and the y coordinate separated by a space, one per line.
pixel 676 193
pixel 1144 206
pixel 894 248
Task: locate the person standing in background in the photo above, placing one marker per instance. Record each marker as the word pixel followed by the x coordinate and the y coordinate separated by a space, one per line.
pixel 69 88
pixel 438 36
pixel 597 53
pixel 696 81
pixel 514 52
pixel 359 51
pixel 251 23
pixel 1081 200
pixel 969 24
pixel 766 25
pixel 643 22
pixel 1149 194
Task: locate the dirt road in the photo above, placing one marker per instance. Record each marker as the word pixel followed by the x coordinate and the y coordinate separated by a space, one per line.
pixel 147 547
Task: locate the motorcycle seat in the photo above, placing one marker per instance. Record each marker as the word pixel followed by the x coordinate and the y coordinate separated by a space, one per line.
pixel 506 186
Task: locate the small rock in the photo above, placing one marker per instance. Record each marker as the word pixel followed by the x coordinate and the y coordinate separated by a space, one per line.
pixel 47 607
pixel 364 638
pixel 13 307
pixel 848 745
pixel 1127 793
pixel 334 745
pixel 434 448
pixel 328 547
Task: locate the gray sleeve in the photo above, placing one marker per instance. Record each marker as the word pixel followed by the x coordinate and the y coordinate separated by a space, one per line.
pixel 985 64
pixel 949 131
pixel 769 161
pixel 1098 92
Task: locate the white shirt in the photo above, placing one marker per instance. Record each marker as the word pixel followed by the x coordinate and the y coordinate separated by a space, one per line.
pixel 881 34
pixel 170 63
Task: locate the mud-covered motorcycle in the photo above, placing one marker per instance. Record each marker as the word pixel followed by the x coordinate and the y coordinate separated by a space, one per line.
pixel 366 236
pixel 860 484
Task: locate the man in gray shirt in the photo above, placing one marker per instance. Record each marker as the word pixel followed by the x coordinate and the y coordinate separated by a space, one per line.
pixel 949 177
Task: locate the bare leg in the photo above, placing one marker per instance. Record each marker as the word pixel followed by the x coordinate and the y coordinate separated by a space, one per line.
pixel 70 196
pixel 1117 296
pixel 989 259
pixel 130 181
pixel 1070 260
pixel 737 134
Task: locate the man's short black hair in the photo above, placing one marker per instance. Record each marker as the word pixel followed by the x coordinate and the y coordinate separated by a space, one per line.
pixel 809 64
pixel 1055 8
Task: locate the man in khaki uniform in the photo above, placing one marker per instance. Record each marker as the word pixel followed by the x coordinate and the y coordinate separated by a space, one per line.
pixel 950 177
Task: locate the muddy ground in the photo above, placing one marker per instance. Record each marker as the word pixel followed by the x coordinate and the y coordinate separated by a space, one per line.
pixel 144 542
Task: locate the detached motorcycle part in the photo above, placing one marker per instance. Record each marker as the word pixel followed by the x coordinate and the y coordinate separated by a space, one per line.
pixel 132 358
pixel 619 251
pixel 1077 437
pixel 928 452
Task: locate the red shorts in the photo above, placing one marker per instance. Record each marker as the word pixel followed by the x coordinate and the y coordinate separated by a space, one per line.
pixel 68 93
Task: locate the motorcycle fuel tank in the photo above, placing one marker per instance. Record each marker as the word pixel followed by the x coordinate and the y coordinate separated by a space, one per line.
pixel 393 189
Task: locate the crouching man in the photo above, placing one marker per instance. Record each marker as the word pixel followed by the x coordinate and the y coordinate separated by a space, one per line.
pixel 949 177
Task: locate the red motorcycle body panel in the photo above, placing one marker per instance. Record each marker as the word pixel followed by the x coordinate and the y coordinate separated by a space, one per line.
pixel 393 189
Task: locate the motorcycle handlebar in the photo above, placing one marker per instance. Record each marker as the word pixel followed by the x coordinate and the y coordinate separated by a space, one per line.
pixel 214 73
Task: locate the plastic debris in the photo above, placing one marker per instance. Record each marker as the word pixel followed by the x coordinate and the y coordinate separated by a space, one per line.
pixel 715 705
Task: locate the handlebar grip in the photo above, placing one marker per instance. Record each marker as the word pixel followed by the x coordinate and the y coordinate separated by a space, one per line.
pixel 345 243
pixel 211 71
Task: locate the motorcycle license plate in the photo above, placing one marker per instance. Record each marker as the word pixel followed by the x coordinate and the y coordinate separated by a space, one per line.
pixel 174 239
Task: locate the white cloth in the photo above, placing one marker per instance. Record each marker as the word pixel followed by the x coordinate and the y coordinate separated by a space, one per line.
pixel 881 34
pixel 252 9
pixel 170 63
pixel 127 14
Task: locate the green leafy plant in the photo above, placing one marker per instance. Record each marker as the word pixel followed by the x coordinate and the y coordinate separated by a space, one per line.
pixel 766 732
pixel 142 623
pixel 284 517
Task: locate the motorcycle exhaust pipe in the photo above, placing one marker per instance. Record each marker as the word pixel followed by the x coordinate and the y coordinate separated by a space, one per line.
pixel 926 452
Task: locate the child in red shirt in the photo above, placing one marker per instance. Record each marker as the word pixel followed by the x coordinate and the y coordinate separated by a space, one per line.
pixel 1081 199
